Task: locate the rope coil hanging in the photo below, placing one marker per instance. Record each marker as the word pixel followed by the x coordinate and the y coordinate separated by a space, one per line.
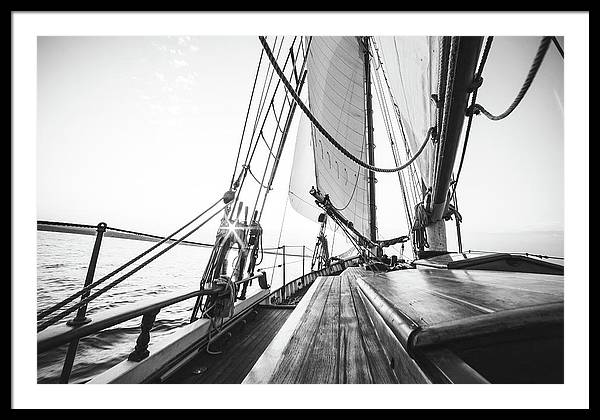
pixel 324 132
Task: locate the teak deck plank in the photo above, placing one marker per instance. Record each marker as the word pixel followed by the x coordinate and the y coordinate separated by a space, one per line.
pixel 379 369
pixel 321 365
pixel 240 352
pixel 334 342
pixel 288 367
pixel 353 361
pixel 252 346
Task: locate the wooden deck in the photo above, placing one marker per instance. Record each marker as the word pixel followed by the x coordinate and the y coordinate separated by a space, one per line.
pixel 365 327
pixel 239 352
pixel 429 296
pixel 333 342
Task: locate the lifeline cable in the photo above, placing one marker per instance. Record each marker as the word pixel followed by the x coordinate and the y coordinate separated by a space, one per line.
pixel 88 299
pixel 59 305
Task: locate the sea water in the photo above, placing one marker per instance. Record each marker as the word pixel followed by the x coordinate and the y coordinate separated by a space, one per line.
pixel 62 263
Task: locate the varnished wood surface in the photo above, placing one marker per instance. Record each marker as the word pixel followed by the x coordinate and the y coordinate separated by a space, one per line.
pixel 334 341
pixel 239 352
pixel 492 261
pixel 432 296
pixel 360 326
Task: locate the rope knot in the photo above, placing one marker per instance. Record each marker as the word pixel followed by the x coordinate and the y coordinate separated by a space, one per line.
pixel 473 110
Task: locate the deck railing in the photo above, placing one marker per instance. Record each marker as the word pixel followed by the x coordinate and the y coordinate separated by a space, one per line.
pixel 82 326
pixel 58 335
pixel 278 296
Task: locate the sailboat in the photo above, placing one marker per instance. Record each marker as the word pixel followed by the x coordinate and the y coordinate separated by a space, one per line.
pixel 361 316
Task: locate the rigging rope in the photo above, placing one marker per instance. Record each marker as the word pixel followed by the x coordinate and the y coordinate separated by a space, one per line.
pixel 411 172
pixel 42 314
pixel 458 220
pixel 535 66
pixel 255 178
pixel 109 286
pixel 558 47
pixel 333 239
pixel 348 235
pixel 391 135
pixel 322 130
pixel 279 239
pixel 278 266
pixel 355 185
pixel 476 84
pixel 246 120
pixel 259 112
pixel 419 232
pixel 412 175
pixel 290 113
pixel 263 101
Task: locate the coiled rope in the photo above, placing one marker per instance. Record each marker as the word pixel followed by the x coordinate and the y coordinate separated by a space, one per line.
pixel 419 232
pixel 535 66
pixel 324 132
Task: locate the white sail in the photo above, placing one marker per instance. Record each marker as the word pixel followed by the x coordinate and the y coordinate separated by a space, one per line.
pixel 302 177
pixel 336 95
pixel 411 64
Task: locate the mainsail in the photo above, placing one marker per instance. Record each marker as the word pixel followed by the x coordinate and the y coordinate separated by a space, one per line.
pixel 412 68
pixel 302 175
pixel 336 95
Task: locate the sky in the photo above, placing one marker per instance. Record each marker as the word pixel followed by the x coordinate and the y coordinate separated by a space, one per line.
pixel 141 133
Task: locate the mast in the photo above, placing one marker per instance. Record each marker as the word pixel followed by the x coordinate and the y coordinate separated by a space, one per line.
pixel 370 143
pixel 457 94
